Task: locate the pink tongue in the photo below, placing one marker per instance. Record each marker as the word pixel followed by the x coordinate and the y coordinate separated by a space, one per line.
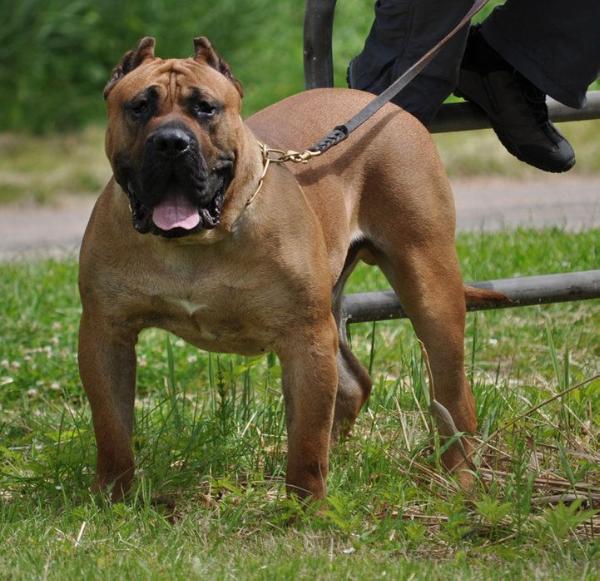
pixel 175 212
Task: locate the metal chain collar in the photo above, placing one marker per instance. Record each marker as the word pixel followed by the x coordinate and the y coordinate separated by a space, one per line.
pixel 271 155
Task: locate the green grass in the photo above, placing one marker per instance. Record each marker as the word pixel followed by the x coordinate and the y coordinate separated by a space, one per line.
pixel 42 170
pixel 210 437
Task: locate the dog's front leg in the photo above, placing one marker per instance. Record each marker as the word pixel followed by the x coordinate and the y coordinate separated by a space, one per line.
pixel 309 385
pixel 107 367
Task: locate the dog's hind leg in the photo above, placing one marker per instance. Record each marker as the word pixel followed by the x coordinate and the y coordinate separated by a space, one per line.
pixel 354 383
pixel 427 280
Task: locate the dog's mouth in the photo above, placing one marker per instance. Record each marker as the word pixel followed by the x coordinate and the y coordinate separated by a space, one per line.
pixel 180 213
pixel 176 211
pixel 176 215
pixel 180 200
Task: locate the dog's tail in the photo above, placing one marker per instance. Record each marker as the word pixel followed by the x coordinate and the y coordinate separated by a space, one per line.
pixel 484 298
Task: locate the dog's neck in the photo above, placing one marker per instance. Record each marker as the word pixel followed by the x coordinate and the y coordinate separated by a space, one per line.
pixel 248 175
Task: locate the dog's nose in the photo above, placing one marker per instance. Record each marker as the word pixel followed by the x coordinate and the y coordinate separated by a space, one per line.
pixel 171 141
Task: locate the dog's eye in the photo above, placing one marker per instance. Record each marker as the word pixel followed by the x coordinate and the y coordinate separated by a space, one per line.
pixel 203 109
pixel 138 108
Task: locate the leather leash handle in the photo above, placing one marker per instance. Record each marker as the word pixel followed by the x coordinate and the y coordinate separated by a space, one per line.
pixel 341 132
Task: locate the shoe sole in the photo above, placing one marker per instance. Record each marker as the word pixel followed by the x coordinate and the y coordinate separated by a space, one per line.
pixel 509 146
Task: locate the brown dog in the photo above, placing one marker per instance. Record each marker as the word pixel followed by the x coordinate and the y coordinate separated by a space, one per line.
pixel 182 238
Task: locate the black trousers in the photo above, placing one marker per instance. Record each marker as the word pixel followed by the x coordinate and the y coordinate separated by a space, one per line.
pixel 554 44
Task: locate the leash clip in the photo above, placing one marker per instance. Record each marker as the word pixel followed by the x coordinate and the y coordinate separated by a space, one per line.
pixel 280 156
pixel 299 157
pixel 270 155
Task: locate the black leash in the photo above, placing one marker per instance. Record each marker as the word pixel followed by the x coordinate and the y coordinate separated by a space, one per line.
pixel 341 132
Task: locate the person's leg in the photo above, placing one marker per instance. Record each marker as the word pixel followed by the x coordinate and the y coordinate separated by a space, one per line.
pixel 402 32
pixel 523 51
pixel 552 43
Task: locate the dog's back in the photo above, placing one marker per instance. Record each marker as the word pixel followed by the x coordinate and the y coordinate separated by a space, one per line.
pixel 391 159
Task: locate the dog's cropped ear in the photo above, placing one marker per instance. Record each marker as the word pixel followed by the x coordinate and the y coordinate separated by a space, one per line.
pixel 131 60
pixel 205 53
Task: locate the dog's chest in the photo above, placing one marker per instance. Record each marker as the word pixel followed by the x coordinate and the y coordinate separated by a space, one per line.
pixel 236 301
pixel 225 319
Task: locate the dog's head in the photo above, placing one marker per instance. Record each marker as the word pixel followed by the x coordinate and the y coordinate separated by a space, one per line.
pixel 173 127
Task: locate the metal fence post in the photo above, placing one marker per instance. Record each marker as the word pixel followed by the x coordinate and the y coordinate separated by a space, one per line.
pixel 318 28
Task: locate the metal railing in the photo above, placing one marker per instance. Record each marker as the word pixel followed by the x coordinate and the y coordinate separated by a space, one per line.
pixel 533 290
pixel 520 292
pixel 467 117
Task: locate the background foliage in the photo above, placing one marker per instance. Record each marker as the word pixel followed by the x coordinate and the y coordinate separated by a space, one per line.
pixel 54 52
pixel 58 51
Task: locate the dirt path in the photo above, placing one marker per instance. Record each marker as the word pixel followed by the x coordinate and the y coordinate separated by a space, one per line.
pixel 561 200
pixel 482 204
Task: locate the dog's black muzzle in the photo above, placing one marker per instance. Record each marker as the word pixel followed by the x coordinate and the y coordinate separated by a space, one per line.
pixel 172 162
pixel 173 165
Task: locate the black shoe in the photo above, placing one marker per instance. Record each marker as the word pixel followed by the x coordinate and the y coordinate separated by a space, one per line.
pixel 516 108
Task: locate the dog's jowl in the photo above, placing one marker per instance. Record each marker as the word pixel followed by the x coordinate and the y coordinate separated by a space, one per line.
pixel 189 237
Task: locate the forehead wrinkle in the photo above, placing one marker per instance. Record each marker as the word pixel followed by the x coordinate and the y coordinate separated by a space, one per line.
pixel 185 75
pixel 173 86
pixel 166 69
pixel 192 71
pixel 178 73
pixel 187 66
pixel 176 76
